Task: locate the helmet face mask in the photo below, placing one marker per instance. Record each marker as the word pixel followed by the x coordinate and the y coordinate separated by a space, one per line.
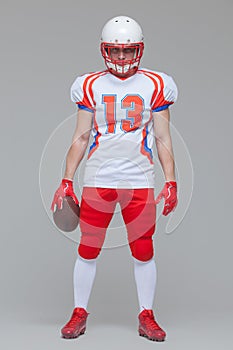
pixel 122 46
pixel 122 59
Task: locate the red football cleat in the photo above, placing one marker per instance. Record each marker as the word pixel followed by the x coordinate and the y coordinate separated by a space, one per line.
pixel 149 328
pixel 76 325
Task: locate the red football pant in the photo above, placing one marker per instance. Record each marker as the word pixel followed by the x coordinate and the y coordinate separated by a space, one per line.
pixel 138 211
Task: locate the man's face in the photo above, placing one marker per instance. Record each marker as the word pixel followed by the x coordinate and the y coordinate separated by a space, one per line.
pixel 122 60
pixel 122 54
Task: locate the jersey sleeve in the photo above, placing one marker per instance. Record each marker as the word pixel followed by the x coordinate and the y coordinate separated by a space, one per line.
pixel 166 95
pixel 79 94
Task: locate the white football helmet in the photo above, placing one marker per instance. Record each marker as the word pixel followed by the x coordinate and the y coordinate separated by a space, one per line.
pixel 122 34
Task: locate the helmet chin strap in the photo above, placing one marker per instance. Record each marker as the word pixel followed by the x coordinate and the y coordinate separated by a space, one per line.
pixel 122 71
pixel 128 74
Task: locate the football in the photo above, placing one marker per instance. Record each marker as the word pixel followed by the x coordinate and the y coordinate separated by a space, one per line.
pixel 67 218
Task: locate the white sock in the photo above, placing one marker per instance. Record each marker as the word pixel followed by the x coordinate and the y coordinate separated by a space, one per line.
pixel 145 277
pixel 83 278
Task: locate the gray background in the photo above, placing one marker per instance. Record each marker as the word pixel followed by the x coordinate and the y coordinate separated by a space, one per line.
pixel 44 45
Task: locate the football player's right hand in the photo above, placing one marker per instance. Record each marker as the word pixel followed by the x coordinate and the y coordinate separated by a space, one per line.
pixel 65 189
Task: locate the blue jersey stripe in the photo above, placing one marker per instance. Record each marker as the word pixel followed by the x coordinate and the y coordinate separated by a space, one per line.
pixel 85 108
pixel 161 108
pixel 147 149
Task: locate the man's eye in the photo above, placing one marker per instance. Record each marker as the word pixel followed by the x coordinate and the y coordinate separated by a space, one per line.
pixel 129 50
pixel 115 50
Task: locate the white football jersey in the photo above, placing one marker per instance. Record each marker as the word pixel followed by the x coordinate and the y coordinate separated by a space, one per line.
pixel 121 154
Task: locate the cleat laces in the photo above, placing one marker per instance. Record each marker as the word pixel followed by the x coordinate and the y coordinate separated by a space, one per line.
pixel 150 322
pixel 76 318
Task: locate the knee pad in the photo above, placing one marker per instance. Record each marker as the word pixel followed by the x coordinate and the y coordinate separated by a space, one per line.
pixel 91 244
pixel 87 252
pixel 142 248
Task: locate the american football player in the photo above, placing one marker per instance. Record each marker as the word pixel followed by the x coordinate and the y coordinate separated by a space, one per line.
pixel 126 109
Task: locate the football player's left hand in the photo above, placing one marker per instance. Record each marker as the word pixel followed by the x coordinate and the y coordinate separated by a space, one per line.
pixel 65 189
pixel 169 193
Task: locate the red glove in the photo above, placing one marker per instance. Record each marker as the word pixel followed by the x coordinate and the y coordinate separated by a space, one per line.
pixel 65 189
pixel 169 192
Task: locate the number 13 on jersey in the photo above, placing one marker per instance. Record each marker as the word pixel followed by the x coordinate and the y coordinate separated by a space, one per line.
pixel 134 106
